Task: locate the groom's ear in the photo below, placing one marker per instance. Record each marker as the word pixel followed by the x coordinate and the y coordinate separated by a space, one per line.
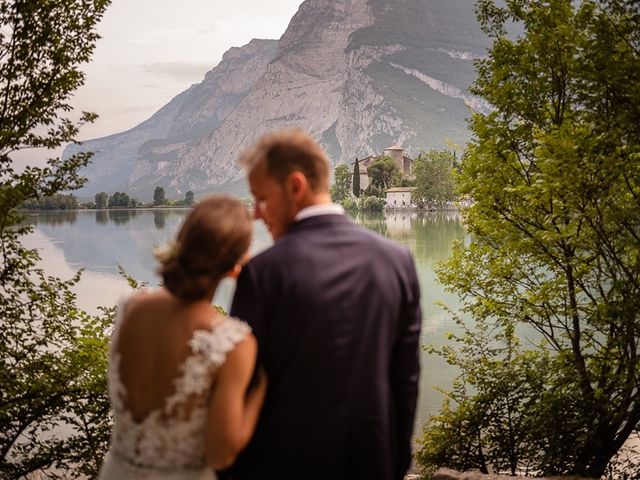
pixel 298 185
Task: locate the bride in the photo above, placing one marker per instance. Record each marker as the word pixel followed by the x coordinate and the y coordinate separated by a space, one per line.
pixel 179 371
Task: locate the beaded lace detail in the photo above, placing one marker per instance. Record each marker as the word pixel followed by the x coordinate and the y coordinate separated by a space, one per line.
pixel 172 437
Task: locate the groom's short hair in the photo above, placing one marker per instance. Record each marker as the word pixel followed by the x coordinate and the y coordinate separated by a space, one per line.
pixel 287 151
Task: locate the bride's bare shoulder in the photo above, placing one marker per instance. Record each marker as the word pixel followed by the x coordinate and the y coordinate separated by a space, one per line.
pixel 148 297
pixel 160 307
pixel 205 317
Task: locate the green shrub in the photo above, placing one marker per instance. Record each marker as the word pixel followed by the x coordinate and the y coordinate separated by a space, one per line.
pixel 349 204
pixel 371 204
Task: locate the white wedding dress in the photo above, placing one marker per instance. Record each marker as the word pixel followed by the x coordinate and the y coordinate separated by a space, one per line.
pixel 168 444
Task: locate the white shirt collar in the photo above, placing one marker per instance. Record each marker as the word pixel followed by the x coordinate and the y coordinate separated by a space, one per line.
pixel 321 209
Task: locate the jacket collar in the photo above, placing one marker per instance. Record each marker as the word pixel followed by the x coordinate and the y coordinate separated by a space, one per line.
pixel 319 221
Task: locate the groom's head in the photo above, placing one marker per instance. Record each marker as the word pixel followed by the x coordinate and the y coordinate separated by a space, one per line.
pixel 287 172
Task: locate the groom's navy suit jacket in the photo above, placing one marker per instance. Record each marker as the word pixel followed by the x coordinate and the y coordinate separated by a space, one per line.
pixel 336 312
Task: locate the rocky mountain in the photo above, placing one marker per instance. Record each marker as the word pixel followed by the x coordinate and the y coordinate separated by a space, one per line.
pixel 359 75
pixel 161 139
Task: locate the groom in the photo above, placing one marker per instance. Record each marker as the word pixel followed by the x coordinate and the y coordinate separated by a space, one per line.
pixel 336 311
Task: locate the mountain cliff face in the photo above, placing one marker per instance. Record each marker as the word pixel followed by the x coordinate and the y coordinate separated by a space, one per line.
pixel 358 75
pixel 158 143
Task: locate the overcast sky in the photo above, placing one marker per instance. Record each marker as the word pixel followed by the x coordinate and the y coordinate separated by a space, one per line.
pixel 151 50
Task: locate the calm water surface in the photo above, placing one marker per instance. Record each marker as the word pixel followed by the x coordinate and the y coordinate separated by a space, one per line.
pixel 100 241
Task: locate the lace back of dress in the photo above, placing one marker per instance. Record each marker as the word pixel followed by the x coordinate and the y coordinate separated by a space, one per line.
pixel 172 437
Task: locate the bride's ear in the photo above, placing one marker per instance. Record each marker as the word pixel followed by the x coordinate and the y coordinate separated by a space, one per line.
pixel 237 268
pixel 235 271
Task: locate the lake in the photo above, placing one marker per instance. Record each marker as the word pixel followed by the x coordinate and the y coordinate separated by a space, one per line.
pixel 99 241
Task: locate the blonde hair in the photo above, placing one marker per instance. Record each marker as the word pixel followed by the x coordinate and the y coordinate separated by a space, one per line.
pixel 213 238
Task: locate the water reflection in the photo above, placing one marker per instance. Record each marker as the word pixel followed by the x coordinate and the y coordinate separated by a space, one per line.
pixel 101 217
pixel 434 235
pixel 159 217
pixel 95 288
pixel 94 239
pixel 54 218
pixel 121 217
pixel 374 221
pixel 429 235
pixel 101 240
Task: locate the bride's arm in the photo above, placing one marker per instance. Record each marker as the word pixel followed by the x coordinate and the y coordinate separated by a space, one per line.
pixel 233 412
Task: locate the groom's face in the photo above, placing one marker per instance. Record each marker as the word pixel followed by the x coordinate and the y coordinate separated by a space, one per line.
pixel 273 203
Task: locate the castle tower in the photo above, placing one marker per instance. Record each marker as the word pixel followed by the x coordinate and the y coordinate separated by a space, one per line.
pixel 397 153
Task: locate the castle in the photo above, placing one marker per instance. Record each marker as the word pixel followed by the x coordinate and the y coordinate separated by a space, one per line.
pixel 404 163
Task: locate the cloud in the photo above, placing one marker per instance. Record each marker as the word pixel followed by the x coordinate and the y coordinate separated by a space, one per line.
pixel 219 28
pixel 178 71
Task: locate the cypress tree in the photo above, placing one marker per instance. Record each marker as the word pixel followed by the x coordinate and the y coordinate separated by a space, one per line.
pixel 356 178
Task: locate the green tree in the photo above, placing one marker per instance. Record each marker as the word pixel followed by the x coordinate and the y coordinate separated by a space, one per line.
pixel 384 173
pixel 434 178
pixel 372 191
pixel 57 201
pixel 488 421
pixel 189 198
pixel 54 411
pixel 341 183
pixel 120 199
pixel 101 199
pixel 554 172
pixel 356 179
pixel 371 204
pixel 158 196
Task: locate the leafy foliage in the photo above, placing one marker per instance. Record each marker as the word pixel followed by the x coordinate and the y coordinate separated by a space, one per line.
pixel 102 200
pixel 340 190
pixel 554 172
pixel 371 204
pixel 158 196
pixel 384 173
pixel 434 178
pixel 349 204
pixel 373 191
pixel 501 415
pixel 53 405
pixel 121 199
pixel 53 202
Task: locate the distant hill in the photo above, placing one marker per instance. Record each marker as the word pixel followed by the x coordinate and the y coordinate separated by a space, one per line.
pixel 358 75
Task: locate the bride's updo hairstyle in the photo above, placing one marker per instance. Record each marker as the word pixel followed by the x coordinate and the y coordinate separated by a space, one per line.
pixel 213 238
